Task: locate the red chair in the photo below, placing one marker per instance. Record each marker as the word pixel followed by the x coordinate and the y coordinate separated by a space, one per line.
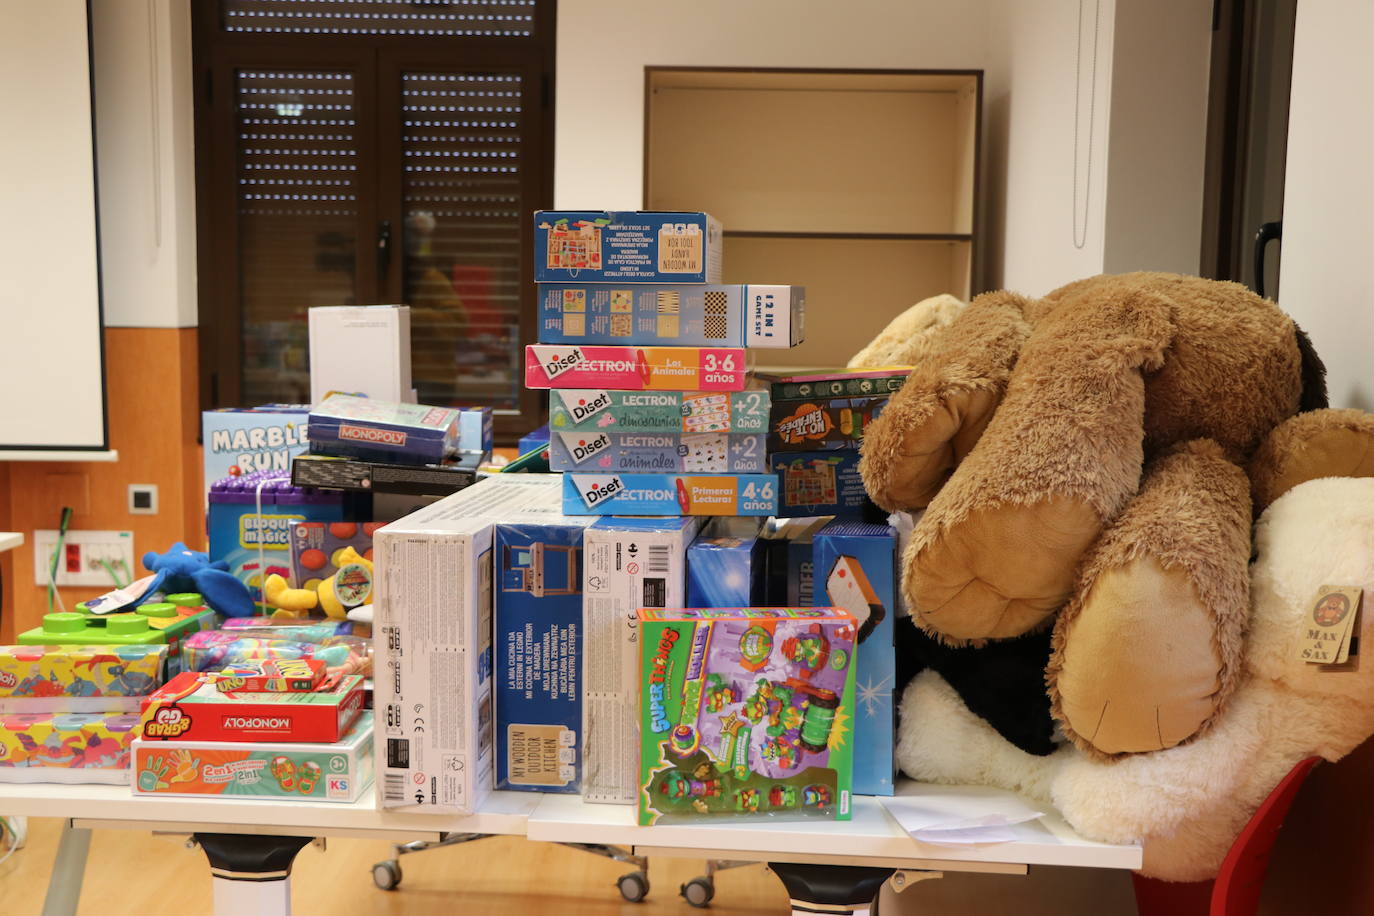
pixel 1236 889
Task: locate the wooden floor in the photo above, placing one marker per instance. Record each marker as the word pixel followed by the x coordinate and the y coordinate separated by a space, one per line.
pixel 132 873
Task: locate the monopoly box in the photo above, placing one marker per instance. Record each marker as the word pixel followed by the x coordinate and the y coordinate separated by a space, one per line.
pixel 433 638
pixel 660 411
pixel 391 431
pixel 626 246
pixel 539 639
pixel 819 483
pixel 746 712
pixel 636 368
pixel 821 424
pixel 660 314
pixel 672 453
pixel 670 494
pixel 856 570
pixel 628 563
pixel 242 440
pixel 835 383
pixel 193 707
pixel 66 747
pixel 280 770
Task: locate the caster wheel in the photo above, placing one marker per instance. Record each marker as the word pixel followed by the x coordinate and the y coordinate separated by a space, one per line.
pixel 387 875
pixel 634 887
pixel 698 892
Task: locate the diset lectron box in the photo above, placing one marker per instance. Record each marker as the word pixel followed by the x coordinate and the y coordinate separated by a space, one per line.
pixel 660 411
pixel 636 368
pixel 670 494
pixel 672 453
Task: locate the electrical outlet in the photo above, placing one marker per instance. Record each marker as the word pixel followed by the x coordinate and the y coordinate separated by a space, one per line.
pixel 85 555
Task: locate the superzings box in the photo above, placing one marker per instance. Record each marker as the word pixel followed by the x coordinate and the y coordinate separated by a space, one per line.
pixel 746 712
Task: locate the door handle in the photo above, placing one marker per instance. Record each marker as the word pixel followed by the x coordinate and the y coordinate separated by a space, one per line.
pixel 1268 232
pixel 383 250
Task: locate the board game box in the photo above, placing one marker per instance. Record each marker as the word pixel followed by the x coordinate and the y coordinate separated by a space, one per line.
pixel 643 246
pixel 636 368
pixel 661 314
pixel 669 494
pixel 835 383
pixel 671 453
pixel 660 411
pixel 746 712
pixel 191 706
pixel 391 431
pixel 819 483
pixel 821 424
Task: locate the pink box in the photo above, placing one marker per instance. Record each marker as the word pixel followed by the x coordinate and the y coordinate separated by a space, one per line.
pixel 636 368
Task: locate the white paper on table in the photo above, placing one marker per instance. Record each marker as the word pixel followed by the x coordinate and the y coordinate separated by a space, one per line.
pixel 960 820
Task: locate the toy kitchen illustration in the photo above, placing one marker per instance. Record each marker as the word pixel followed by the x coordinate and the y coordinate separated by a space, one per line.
pixel 541 569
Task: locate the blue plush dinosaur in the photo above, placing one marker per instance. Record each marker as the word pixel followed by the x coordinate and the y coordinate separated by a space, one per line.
pixel 182 569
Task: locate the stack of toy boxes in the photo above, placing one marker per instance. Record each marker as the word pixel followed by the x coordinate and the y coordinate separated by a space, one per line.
pixel 68 712
pixel 279 729
pixel 646 352
pixel 816 425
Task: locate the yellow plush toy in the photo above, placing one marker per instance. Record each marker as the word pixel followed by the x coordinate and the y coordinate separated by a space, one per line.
pixel 348 588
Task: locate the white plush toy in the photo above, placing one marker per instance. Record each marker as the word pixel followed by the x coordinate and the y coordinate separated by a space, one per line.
pixel 1187 804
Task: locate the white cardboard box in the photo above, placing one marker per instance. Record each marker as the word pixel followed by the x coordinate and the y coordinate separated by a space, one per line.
pixel 360 349
pixel 628 563
pixel 433 637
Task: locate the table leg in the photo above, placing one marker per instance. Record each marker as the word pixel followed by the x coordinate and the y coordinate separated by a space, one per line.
pixel 832 889
pixel 68 868
pixel 252 873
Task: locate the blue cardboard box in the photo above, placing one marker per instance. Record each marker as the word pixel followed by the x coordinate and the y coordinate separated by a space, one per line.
pixel 855 566
pixel 673 453
pixel 533 439
pixel 244 440
pixel 538 641
pixel 819 483
pixel 725 572
pixel 669 494
pixel 755 315
pixel 475 430
pixel 627 246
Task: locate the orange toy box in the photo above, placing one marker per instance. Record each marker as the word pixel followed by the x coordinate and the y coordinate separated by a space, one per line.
pixel 193 707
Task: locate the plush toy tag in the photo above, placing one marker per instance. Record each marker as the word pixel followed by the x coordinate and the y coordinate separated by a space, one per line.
pixel 1329 625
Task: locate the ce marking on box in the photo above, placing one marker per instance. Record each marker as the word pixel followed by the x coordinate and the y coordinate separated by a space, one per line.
pixel 417 722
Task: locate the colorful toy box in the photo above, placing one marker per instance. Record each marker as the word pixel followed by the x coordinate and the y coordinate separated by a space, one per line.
pixel 149 624
pixel 243 440
pixel 66 747
pixel 821 424
pixel 539 639
pixel 628 563
pixel 391 431
pixel 317 547
pixel 256 542
pixel 856 570
pixel 626 246
pixel 433 626
pixel 293 675
pixel 819 483
pixel 673 453
pixel 192 707
pixel 79 678
pixel 660 314
pixel 746 712
pixel 279 771
pixel 659 411
pixel 835 383
pixel 725 572
pixel 670 494
pixel 636 368
pixel 212 650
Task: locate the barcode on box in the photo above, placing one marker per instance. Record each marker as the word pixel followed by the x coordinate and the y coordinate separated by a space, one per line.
pixel 394 787
pixel 659 560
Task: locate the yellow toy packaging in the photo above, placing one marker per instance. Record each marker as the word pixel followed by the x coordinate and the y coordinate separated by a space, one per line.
pixel 66 747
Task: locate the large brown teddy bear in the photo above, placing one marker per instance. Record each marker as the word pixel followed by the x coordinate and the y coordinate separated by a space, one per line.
pixel 1085 463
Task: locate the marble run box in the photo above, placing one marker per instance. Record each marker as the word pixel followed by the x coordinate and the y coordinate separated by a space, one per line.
pixel 746 712
pixel 628 563
pixel 627 246
pixel 41 673
pixel 670 494
pixel 855 566
pixel 636 368
pixel 659 411
pixel 66 747
pixel 819 483
pixel 672 453
pixel 539 638
pixel 754 316
pixel 822 424
pixel 193 707
pixel 241 440
pixel 280 771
